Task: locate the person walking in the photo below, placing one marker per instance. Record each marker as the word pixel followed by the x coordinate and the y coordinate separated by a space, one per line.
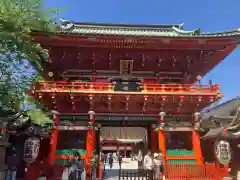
pixel 140 159
pixel 156 166
pixel 110 160
pixel 147 164
pixel 105 158
pixel 120 161
pixel 102 157
pixel 161 165
pixel 94 163
pixel 12 164
pixel 78 168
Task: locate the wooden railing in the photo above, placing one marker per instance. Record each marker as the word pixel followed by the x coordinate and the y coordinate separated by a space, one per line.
pixel 191 171
pixel 100 87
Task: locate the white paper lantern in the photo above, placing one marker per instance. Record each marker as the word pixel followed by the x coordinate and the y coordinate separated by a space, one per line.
pixel 50 74
pixel 31 149
pixel 223 152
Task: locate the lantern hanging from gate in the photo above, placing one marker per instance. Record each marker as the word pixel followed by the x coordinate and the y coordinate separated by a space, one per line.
pixel 223 152
pixel 31 149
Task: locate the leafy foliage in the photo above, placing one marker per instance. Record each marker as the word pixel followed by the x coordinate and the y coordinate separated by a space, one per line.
pixel 20 56
pixel 18 19
pixel 15 80
pixel 38 117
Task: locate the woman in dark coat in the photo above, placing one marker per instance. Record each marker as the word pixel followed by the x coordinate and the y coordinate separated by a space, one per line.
pixel 110 160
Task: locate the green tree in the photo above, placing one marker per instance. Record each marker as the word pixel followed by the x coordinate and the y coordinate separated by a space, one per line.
pixel 18 19
pixel 20 58
pixel 15 80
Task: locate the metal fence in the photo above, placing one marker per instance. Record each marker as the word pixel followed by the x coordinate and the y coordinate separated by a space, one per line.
pixel 140 174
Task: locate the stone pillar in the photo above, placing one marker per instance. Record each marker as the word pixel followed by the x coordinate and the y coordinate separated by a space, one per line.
pixel 54 139
pixel 196 140
pixel 161 137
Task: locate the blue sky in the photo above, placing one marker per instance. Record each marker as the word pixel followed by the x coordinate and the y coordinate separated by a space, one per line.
pixel 208 15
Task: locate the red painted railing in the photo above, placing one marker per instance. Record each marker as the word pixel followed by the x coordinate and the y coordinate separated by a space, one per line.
pixel 147 88
pixel 191 171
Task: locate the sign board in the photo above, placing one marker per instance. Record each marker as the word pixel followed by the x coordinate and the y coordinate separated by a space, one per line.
pixel 223 152
pixel 126 67
pixel 72 128
pixel 115 148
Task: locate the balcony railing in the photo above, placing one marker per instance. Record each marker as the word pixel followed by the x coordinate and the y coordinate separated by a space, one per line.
pixel 99 87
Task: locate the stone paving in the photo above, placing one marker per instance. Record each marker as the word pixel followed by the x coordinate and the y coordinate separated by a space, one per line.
pixel 113 174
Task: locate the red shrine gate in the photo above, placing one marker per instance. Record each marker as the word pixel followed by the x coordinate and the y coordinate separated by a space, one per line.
pixel 100 73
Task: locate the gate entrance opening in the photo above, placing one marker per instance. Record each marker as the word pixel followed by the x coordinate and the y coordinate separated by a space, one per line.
pixel 128 141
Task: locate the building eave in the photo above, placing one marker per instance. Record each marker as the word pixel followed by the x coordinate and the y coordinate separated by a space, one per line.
pixel 232 104
pixel 172 30
pixel 128 26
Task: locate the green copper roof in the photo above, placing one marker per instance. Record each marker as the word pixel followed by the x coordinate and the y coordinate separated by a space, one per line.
pixel 173 30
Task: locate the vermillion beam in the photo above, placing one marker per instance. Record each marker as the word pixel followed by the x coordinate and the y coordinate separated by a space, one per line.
pixel 107 88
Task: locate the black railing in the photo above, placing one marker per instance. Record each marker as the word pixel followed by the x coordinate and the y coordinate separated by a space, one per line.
pixel 139 174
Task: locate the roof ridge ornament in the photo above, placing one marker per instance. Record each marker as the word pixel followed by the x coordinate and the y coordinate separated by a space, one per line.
pixel 183 32
pixel 66 24
pixel 181 26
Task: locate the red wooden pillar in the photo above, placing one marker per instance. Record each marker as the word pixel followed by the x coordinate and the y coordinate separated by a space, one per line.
pixel 90 137
pixel 161 137
pixel 53 140
pixel 33 171
pixel 196 142
pixel 153 139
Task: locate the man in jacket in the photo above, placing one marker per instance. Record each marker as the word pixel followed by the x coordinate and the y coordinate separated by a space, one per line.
pixel 148 163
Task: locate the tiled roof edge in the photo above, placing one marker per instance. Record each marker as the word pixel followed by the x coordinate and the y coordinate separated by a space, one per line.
pixel 222 104
pixel 130 26
pixel 223 32
pixel 141 30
